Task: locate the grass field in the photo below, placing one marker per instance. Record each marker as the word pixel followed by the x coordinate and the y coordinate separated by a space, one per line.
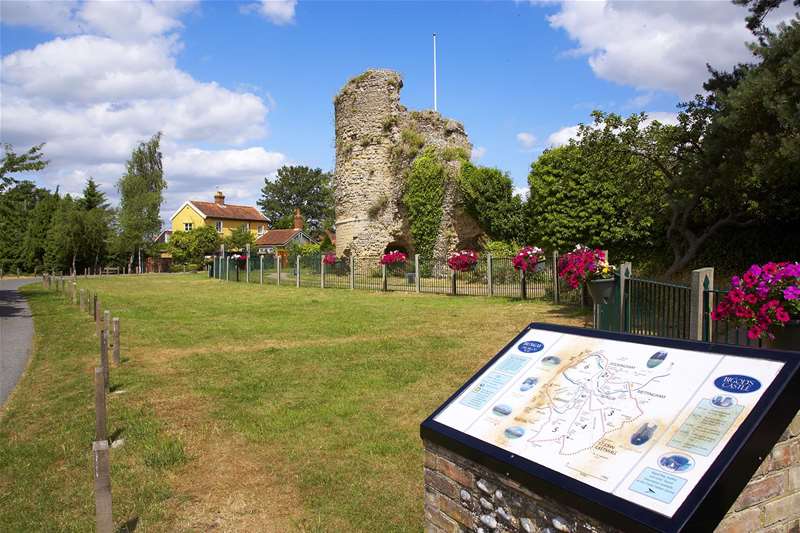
pixel 244 408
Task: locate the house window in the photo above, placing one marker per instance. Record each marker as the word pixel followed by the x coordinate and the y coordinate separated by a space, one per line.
pixel 261 229
pixel 187 226
pixel 247 227
pixel 219 226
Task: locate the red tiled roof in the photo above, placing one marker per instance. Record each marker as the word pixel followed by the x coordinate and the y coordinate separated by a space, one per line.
pixel 229 211
pixel 277 237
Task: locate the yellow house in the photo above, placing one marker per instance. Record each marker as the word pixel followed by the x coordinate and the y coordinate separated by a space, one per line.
pixel 223 217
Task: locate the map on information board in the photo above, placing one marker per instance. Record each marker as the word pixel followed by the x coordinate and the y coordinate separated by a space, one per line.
pixel 638 421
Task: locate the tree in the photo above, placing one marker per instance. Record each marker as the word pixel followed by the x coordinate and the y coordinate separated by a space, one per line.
pixel 488 195
pixel 65 237
pixel 577 197
pixel 13 163
pixel 308 189
pixel 18 205
pixel 239 239
pixel 93 197
pixel 141 195
pixel 193 245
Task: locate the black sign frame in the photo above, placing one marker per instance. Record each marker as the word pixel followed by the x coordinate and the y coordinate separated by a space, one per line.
pixel 709 500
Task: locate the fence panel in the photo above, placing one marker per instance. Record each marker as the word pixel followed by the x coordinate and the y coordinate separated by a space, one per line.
pixel 401 276
pixel 337 275
pixel 722 331
pixel 434 276
pixel 657 309
pixel 310 271
pixel 367 273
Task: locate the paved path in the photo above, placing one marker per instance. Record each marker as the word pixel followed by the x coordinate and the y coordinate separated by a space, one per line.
pixel 16 335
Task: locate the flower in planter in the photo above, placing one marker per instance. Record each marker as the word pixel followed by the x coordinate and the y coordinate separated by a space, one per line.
pixel 393 257
pixel 764 297
pixel 582 265
pixel 329 259
pixel 463 261
pixel 527 258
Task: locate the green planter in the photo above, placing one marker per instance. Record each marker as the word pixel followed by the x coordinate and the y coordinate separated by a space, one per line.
pixel 786 338
pixel 601 290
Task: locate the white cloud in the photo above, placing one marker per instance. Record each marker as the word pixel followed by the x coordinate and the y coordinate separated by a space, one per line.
pixel 658 45
pixel 93 96
pixel 526 140
pixel 567 133
pixel 279 12
pixel 522 192
pixel 477 152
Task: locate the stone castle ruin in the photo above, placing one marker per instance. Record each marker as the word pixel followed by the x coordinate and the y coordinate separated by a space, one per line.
pixel 377 140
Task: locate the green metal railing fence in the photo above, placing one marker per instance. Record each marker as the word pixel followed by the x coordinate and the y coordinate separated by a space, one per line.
pixel 657 308
pixel 722 331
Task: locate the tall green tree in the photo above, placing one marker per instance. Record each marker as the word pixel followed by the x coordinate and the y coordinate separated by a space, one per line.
pixel 192 246
pixel 92 197
pixel 141 195
pixel 18 204
pixel 14 163
pixel 238 239
pixel 308 189
pixel 488 195
pixel 65 237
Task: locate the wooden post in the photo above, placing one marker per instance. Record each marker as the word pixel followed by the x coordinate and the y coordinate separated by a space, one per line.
pixel 227 269
pixel 100 413
pixel 523 285
pixel 102 487
pixel 453 283
pixel 625 270
pixel 247 265
pixel 322 271
pixel 417 283
pixel 556 294
pixel 352 272
pixel 83 300
pixel 278 263
pixel 261 269
pixel 702 280
pixel 104 354
pixel 297 271
pixel 115 327
pixel 107 323
pixel 383 277
pixel 95 305
pixel 490 274
pixel 74 293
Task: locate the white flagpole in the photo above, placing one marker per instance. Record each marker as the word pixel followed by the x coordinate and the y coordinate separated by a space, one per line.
pixel 435 103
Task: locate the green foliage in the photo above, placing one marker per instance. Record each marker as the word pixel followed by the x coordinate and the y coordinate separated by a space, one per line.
pixel 455 153
pixel 423 199
pixel 576 197
pixel 378 206
pixel 501 248
pixel 23 208
pixel 411 142
pixel 308 189
pixel 14 163
pixel 326 245
pixel 308 248
pixel 192 246
pixel 141 195
pixel 389 123
pixel 93 197
pixel 65 236
pixel 489 197
pixel 238 239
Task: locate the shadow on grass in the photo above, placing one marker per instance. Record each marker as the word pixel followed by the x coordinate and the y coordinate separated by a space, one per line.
pixel 129 526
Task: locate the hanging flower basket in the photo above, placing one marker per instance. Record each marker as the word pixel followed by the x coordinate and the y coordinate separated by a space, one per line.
pixel 393 258
pixel 582 265
pixel 463 261
pixel 766 301
pixel 527 258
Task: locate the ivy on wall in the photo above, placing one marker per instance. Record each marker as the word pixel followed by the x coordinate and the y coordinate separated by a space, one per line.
pixel 423 198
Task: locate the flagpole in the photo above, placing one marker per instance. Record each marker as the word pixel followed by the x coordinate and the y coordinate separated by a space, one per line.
pixel 435 103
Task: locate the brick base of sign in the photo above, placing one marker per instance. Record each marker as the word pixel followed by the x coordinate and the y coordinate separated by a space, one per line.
pixel 464 496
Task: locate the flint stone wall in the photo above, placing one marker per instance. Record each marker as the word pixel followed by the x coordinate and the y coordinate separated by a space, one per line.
pixel 369 179
pixel 463 496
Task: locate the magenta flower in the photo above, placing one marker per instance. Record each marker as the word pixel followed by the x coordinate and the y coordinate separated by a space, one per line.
pixel 792 292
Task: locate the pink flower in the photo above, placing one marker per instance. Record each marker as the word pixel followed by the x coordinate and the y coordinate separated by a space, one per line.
pixel 792 292
pixel 781 315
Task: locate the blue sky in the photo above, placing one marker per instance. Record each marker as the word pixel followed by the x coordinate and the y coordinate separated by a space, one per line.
pixel 240 88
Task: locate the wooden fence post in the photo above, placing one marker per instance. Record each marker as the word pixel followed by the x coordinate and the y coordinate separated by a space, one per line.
pixel 74 293
pixel 383 278
pixel 261 269
pixel 297 271
pixel 322 271
pixel 352 272
pixel 453 283
pixel 523 285
pixel 116 353
pixel 104 355
pixel 95 306
pixel 107 322
pixel 100 413
pixel 416 273
pixel 702 280
pixel 102 487
pixel 556 294
pixel 490 273
pixel 83 300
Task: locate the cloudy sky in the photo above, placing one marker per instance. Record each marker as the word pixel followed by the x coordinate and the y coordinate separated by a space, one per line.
pixel 239 89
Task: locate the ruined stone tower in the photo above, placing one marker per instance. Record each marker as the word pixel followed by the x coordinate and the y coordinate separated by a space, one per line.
pixel 372 136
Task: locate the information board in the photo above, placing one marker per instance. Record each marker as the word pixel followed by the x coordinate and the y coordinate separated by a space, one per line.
pixel 640 426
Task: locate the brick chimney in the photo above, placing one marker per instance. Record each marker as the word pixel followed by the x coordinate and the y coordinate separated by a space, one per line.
pixel 298 219
pixel 219 198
